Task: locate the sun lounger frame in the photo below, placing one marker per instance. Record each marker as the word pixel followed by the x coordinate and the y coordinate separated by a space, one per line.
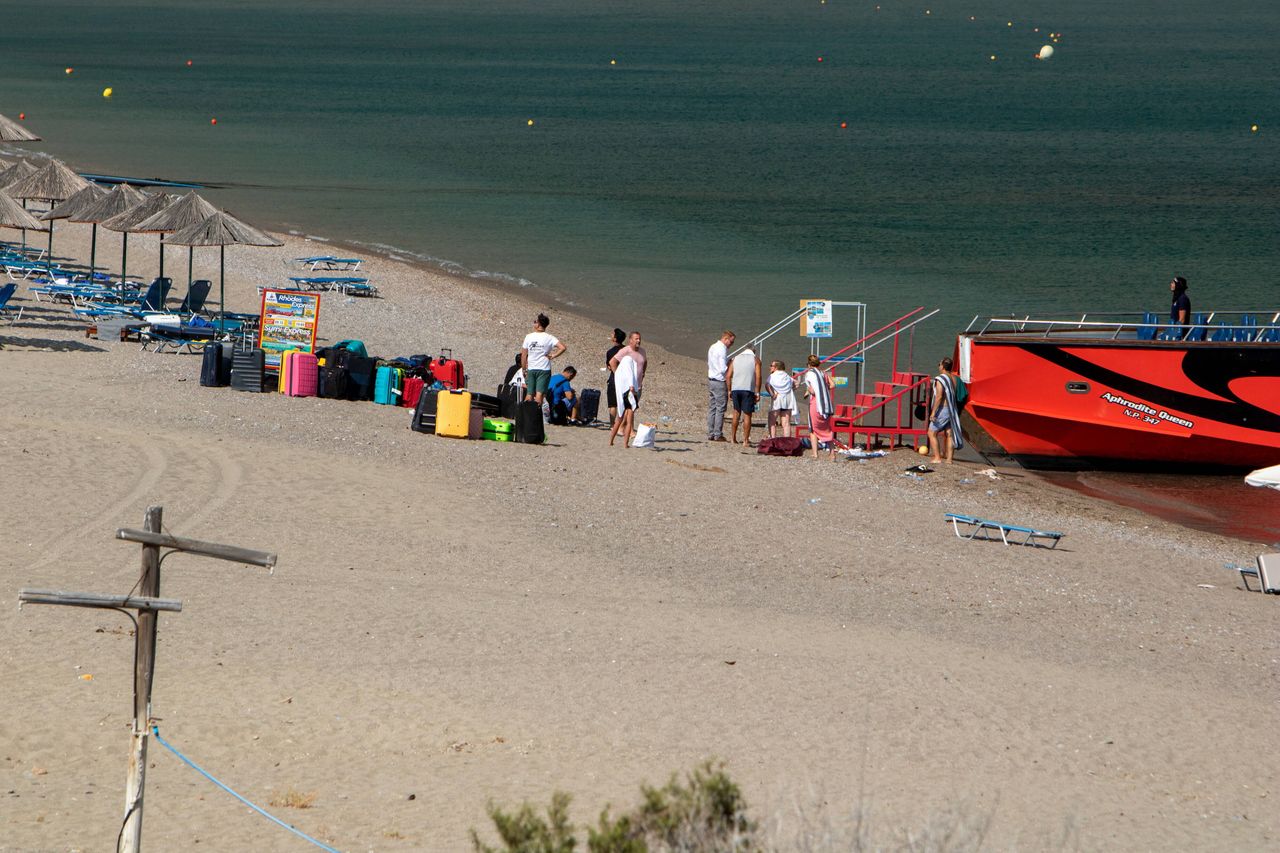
pixel 1009 534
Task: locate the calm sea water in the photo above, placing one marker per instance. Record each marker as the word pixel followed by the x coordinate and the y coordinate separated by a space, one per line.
pixel 686 168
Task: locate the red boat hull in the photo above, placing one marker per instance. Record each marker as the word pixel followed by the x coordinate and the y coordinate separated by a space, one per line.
pixel 1090 403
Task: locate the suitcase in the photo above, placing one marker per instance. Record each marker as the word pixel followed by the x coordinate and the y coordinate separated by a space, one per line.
pixel 413 386
pixel 448 371
pixel 499 427
pixel 487 403
pixel 360 376
pixel 282 378
pixel 247 370
pixel 388 385
pixel 304 375
pixel 453 414
pixel 475 424
pixel 497 436
pixel 529 428
pixel 214 367
pixel 424 412
pixel 588 405
pixel 509 397
pixel 333 382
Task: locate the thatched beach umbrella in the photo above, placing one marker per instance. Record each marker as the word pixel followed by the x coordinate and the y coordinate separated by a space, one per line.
pixel 19 170
pixel 51 182
pixel 127 222
pixel 189 210
pixel 74 205
pixel 122 198
pixel 11 131
pixel 222 230
pixel 13 215
pixel 15 173
pixel 4 164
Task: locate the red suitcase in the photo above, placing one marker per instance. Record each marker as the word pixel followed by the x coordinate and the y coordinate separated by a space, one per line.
pixel 304 375
pixel 448 371
pixel 412 391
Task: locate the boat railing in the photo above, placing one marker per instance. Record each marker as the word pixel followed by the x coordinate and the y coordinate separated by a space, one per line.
pixel 1212 326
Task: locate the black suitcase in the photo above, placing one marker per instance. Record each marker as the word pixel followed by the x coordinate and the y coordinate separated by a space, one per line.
pixel 215 366
pixel 247 370
pixel 360 376
pixel 588 405
pixel 487 403
pixel 333 383
pixel 529 426
pixel 424 414
pixel 508 400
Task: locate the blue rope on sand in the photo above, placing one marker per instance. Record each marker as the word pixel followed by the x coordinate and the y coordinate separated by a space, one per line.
pixel 155 730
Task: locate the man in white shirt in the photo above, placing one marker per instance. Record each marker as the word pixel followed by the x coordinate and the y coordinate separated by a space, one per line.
pixel 718 394
pixel 535 357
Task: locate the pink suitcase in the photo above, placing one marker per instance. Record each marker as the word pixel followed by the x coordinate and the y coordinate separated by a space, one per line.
pixel 304 375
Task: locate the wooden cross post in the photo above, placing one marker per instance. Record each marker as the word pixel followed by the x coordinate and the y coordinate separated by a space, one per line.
pixel 147 603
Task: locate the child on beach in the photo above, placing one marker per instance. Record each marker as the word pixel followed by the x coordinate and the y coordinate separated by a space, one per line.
pixel 782 389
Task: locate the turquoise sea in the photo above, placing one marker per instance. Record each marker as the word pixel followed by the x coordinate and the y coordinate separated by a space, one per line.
pixel 686 168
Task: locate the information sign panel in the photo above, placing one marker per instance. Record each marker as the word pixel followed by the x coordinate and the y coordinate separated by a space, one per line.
pixel 289 321
pixel 816 320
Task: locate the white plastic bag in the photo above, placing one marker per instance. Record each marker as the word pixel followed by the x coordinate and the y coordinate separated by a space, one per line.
pixel 644 435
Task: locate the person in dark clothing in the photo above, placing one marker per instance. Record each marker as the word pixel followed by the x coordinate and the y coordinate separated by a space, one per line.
pixel 1180 312
pixel 512 371
pixel 611 392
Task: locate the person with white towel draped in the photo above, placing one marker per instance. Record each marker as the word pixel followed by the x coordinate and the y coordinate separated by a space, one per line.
pixel 626 382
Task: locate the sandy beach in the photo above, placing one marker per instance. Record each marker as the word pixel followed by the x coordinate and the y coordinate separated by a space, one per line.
pixel 454 622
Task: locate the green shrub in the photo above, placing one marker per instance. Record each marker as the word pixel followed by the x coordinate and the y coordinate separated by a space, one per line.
pixel 706 814
pixel 528 832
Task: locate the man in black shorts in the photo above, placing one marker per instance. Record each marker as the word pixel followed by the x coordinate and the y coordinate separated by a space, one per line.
pixel 611 391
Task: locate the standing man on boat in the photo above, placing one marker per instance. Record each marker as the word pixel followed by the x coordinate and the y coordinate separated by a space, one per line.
pixel 717 390
pixel 1180 313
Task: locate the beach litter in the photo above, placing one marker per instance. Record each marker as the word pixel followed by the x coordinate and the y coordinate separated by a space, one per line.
pixel 919 469
pixel 989 473
pixel 859 453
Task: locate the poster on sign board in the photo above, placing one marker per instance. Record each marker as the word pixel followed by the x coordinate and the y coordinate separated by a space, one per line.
pixel 289 321
pixel 815 322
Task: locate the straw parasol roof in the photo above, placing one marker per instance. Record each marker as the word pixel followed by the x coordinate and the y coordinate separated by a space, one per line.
pixel 4 164
pixel 12 215
pixel 15 173
pixel 52 182
pixel 222 229
pixel 11 131
pixel 121 198
pixel 73 206
pixel 187 211
pixel 152 205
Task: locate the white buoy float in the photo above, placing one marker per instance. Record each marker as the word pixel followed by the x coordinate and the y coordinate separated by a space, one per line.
pixel 1045 52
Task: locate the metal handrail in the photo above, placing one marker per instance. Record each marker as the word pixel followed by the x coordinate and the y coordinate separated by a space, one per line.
pixel 887 400
pixel 896 332
pixel 1048 327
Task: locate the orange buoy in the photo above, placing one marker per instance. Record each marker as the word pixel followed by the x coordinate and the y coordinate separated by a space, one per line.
pixel 843 125
pixel 188 63
pixel 213 121
pixel 22 116
pixel 69 69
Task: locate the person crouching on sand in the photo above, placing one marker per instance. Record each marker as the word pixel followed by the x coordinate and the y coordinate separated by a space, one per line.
pixel 782 388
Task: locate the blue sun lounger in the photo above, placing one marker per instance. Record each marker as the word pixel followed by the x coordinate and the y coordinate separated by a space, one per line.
pixel 7 313
pixel 1009 534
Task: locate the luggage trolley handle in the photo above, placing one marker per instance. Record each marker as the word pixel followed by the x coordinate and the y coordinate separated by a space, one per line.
pixel 446 354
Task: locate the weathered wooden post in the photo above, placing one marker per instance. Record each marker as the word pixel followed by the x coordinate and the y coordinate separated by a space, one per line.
pixel 143 672
pixel 147 603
